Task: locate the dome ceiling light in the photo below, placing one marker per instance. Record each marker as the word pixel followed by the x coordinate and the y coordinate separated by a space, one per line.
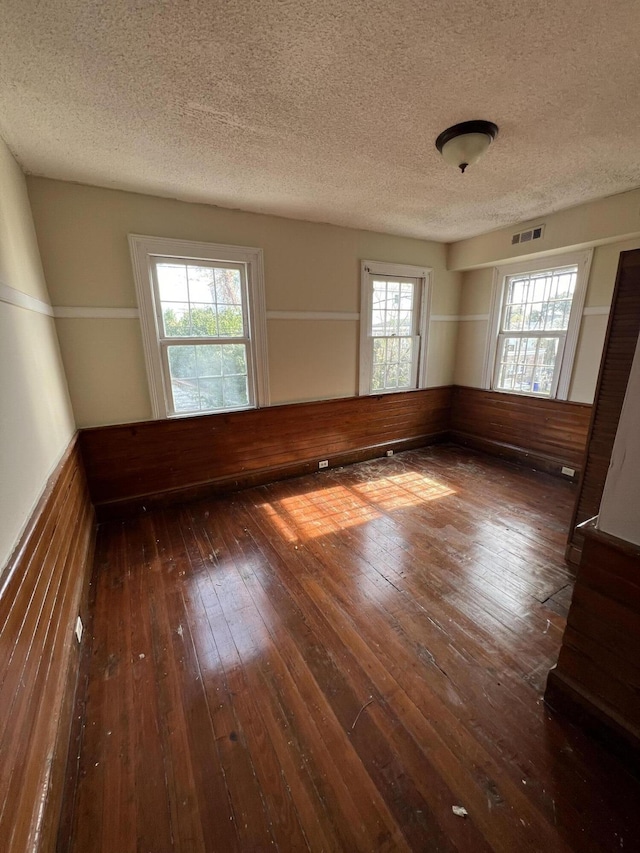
pixel 465 143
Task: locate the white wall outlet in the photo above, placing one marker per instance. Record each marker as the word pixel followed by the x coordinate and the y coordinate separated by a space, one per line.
pixel 569 472
pixel 389 452
pixel 324 463
pixel 79 629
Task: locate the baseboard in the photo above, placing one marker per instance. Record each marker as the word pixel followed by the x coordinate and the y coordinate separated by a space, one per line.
pixel 573 553
pixel 113 510
pixel 512 453
pixel 44 587
pixel 568 699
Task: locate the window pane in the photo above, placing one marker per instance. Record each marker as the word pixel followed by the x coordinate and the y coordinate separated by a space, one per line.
pixel 211 395
pixel 200 301
pixel 182 362
pixel 406 296
pixel 234 359
pixel 404 326
pixel 201 284
pixel 406 350
pixel 172 281
pixel 185 395
pixel 527 365
pixel 230 323
pixel 535 316
pixel 236 391
pixel 377 323
pixel 404 375
pixel 207 377
pixel 228 286
pixel 392 308
pixel 393 350
pixel 391 378
pixel 393 295
pixel 379 350
pixel 184 384
pixel 203 321
pixel 392 363
pixel 514 317
pixel 209 360
pixel 539 301
pixel 379 294
pixel 175 318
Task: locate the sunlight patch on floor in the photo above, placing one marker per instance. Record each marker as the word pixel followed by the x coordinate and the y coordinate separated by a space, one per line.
pixel 329 510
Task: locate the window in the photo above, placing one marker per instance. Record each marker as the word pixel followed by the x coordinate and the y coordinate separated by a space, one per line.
pixel 203 322
pixel 535 324
pixel 393 324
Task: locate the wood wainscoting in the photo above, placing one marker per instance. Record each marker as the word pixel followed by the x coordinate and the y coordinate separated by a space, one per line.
pixel 597 677
pixel 44 587
pixel 169 461
pixel 540 433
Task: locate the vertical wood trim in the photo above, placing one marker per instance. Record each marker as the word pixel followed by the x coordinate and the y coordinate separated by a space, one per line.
pixel 44 589
pixel 619 349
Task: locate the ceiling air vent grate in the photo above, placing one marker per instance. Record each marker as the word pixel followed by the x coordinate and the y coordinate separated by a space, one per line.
pixel 528 235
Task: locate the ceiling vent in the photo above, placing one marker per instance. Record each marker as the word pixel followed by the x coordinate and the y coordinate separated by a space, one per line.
pixel 528 235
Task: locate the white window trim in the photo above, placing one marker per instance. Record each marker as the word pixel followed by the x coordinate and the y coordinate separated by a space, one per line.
pixel 583 262
pixel 368 268
pixel 143 248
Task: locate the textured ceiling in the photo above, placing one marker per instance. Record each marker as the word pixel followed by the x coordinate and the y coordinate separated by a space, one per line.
pixel 328 109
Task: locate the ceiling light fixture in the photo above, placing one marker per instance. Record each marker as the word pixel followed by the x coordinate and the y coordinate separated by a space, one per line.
pixel 464 144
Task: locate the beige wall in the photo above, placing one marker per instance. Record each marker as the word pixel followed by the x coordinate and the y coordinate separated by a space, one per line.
pixel 620 507
pixel 475 303
pixel 607 220
pixel 309 267
pixel 36 422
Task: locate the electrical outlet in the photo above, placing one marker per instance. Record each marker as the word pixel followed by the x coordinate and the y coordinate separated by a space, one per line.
pixel 570 472
pixel 324 463
pixel 389 452
pixel 79 629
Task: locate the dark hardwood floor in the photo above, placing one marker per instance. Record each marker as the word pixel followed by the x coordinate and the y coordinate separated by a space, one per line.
pixel 334 663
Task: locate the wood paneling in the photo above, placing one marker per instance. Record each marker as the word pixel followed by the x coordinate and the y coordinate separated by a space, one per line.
pixel 172 460
pixel 598 670
pixel 543 434
pixel 619 349
pixel 44 587
pixel 332 663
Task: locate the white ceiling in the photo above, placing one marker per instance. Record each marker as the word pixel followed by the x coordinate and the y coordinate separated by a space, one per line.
pixel 328 110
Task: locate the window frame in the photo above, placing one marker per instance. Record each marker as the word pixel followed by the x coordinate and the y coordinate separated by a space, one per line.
pixel 143 250
pixel 368 270
pixel 566 350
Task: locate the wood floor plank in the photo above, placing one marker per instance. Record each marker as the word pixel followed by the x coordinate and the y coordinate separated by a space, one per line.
pixel 332 663
pixel 403 690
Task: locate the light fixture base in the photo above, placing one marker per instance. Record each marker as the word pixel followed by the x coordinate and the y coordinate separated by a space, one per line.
pixel 466 142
